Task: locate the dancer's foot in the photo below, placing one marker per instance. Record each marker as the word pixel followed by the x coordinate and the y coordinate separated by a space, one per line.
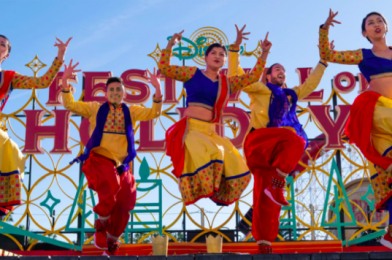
pixel 113 246
pixel 276 191
pixel 265 249
pixel 100 235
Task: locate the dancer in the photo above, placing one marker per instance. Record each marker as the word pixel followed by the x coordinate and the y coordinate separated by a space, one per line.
pixel 12 162
pixel 109 153
pixel 275 142
pixel 370 122
pixel 206 164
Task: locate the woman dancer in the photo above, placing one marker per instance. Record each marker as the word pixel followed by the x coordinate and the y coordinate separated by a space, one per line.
pixel 370 122
pixel 12 163
pixel 207 165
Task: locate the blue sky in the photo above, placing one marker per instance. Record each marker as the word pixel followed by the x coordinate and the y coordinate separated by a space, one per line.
pixel 117 36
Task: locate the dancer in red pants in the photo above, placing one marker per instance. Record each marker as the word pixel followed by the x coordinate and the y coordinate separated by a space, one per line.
pixel 275 143
pixel 270 153
pixel 109 154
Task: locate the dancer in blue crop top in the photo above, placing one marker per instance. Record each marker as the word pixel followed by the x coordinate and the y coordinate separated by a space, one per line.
pixel 206 164
pixel 12 161
pixel 370 122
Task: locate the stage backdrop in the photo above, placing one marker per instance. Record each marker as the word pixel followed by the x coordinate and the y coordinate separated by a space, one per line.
pixel 51 137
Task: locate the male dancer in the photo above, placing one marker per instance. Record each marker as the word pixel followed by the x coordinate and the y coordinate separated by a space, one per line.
pixel 109 154
pixel 275 142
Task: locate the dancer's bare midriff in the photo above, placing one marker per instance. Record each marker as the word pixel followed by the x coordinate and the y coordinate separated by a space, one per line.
pixel 382 86
pixel 199 113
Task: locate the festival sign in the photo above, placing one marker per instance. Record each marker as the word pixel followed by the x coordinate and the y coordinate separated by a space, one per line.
pixel 135 82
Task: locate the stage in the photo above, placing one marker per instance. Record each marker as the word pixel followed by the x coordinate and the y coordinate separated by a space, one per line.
pixel 322 250
pixel 315 256
pixel 49 214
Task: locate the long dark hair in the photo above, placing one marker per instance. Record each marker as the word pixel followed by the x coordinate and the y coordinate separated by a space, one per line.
pixel 367 16
pixel 9 44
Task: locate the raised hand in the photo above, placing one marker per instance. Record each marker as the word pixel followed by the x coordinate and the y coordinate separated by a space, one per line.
pixel 240 36
pixel 176 38
pixel 266 44
pixel 331 46
pixel 62 48
pixel 155 80
pixel 331 19
pixel 69 72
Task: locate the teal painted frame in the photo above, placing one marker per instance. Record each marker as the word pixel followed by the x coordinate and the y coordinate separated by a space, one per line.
pixel 80 201
pixel 293 219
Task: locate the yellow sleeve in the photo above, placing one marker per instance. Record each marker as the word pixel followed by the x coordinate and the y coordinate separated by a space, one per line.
pixel 341 57
pixel 257 87
pixel 180 73
pixel 238 80
pixel 85 109
pixel 311 82
pixel 25 82
pixel 234 69
pixel 139 113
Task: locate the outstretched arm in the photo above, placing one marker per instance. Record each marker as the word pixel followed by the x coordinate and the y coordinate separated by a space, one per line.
pixel 180 73
pixel 25 82
pixel 139 113
pixel 78 107
pixel 240 81
pixel 313 80
pixel 342 57
pixel 234 68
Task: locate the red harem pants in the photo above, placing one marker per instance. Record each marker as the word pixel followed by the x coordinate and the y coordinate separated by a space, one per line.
pixel 266 150
pixel 116 193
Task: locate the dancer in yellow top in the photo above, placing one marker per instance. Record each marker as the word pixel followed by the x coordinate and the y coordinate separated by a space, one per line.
pixel 109 154
pixel 275 142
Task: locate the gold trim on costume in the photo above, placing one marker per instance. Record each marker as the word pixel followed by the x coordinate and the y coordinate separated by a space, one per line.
pixel 381 75
pixel 201 126
pixel 196 104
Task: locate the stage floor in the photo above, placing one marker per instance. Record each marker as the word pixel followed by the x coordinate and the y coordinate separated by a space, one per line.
pixel 309 250
pixel 315 256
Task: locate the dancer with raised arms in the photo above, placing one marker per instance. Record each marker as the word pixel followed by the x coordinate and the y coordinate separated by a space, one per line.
pixel 12 162
pixel 206 164
pixel 109 153
pixel 275 142
pixel 370 124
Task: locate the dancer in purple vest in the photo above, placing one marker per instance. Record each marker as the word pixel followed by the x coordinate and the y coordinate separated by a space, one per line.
pixel 109 153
